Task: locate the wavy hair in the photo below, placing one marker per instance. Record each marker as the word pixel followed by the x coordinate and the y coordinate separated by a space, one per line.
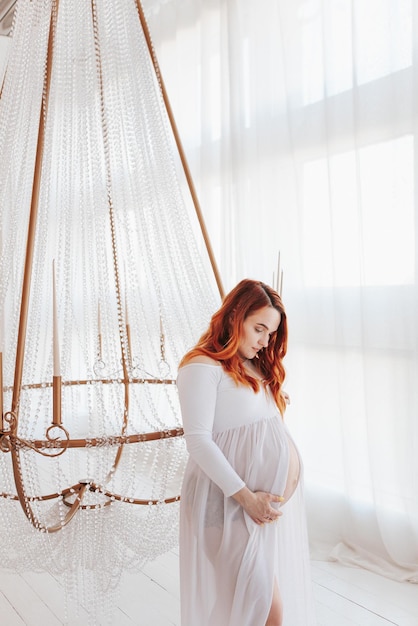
pixel 222 338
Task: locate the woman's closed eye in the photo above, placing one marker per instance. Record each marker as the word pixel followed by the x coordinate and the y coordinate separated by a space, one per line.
pixel 262 330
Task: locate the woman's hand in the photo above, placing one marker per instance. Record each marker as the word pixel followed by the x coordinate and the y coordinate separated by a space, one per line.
pixel 258 505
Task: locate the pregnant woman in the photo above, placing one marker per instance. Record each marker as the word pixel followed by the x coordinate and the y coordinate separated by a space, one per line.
pixel 243 549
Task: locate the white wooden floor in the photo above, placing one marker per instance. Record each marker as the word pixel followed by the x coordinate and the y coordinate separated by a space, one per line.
pixel 344 597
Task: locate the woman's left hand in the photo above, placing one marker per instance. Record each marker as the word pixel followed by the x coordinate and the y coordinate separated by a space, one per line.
pixel 258 505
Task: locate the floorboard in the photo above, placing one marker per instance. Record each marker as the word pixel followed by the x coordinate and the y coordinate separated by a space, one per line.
pixel 344 596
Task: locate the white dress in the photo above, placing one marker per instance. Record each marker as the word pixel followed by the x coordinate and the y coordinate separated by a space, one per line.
pixel 228 563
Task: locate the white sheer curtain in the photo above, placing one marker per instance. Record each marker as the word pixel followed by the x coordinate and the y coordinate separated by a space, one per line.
pixel 299 119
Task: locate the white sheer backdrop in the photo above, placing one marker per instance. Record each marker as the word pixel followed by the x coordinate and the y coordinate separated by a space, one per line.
pixel 299 119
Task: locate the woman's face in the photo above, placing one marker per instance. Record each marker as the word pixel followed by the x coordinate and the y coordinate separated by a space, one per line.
pixel 256 331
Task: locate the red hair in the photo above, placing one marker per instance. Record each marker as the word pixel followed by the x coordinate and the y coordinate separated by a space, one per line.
pixel 222 338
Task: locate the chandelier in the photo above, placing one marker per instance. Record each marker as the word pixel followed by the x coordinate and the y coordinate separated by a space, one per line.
pixel 107 277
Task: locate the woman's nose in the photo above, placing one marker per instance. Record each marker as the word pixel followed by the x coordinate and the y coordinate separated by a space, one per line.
pixel 264 341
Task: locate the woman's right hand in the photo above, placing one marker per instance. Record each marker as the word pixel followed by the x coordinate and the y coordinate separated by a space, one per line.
pixel 258 505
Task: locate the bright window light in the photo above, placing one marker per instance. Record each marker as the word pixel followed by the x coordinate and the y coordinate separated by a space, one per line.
pixel 333 60
pixel 358 217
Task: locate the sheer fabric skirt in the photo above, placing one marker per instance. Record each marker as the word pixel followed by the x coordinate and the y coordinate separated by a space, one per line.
pixel 228 563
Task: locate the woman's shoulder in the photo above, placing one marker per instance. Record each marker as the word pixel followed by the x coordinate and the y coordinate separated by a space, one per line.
pixel 201 359
pixel 199 370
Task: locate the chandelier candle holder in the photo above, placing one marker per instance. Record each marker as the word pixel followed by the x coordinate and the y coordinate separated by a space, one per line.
pixel 56 377
pixel 91 446
pixel 278 277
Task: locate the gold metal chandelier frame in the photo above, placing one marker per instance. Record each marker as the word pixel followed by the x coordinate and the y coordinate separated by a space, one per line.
pixel 57 438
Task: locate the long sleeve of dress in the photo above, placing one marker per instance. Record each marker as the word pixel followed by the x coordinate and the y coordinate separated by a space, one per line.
pixel 197 385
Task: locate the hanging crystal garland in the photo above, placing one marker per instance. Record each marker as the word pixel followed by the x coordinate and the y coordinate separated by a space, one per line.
pixel 103 288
